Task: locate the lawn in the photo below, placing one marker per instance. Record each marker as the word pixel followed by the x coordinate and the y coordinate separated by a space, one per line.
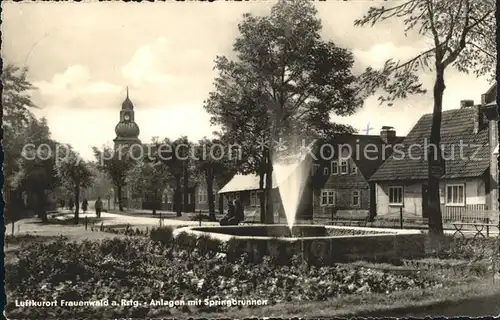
pixel 143 268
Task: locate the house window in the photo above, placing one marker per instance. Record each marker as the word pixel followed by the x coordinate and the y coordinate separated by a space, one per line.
pixel 253 198
pixel 202 196
pixel 327 197
pixel 189 198
pixel 325 171
pixel 455 194
pixel 354 169
pixel 343 167
pixel 315 168
pixel 396 196
pixel 335 167
pixel 355 200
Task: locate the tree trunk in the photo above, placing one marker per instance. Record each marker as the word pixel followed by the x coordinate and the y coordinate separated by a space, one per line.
pixel 155 201
pixel 41 212
pixel 77 204
pixel 37 200
pixel 435 159
pixel 177 196
pixel 186 189
pixel 221 204
pixel 210 196
pixel 269 186
pixel 120 202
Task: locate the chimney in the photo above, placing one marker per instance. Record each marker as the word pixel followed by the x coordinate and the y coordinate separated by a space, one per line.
pixel 387 134
pixel 479 120
pixel 483 99
pixel 466 104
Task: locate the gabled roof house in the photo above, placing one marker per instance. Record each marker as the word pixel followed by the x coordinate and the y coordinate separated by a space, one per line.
pixel 469 136
pixel 341 180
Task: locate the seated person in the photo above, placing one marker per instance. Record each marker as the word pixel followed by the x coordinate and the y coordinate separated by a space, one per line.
pixel 239 211
pixel 229 218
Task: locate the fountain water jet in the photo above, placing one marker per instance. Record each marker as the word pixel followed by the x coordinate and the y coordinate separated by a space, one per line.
pixel 291 181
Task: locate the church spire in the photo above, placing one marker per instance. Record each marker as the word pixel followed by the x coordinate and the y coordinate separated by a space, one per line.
pixel 127 104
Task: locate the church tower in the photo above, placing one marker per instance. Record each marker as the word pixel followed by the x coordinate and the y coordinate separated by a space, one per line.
pixel 127 131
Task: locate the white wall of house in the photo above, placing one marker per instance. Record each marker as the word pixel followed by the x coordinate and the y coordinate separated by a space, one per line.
pixel 474 189
pixel 412 200
pixel 493 136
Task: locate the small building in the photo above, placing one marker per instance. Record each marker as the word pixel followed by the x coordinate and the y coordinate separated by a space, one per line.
pixel 341 179
pixel 187 202
pixel 470 178
pixel 202 199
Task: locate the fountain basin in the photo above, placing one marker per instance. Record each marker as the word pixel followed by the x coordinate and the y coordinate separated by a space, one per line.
pixel 282 231
pixel 328 244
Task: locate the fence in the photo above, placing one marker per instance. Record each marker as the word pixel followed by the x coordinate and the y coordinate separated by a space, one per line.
pixel 469 213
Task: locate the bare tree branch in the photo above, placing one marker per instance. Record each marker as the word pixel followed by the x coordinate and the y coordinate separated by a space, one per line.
pixel 489 54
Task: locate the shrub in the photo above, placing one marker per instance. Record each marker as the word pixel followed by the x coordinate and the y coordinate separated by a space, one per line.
pixel 449 247
pixel 205 243
pixel 185 239
pixel 163 235
pixel 202 243
pixel 233 248
pixel 278 253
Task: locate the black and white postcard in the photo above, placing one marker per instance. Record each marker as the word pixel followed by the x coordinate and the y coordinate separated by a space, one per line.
pixel 250 159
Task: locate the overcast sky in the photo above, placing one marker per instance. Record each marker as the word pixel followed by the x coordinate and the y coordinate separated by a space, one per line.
pixel 81 57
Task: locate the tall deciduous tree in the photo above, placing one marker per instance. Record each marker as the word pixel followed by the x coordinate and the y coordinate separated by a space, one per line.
pixel 36 174
pixel 244 131
pixel 462 33
pixel 116 163
pixel 17 106
pixel 16 96
pixel 211 160
pixel 74 174
pixel 172 154
pixel 292 78
pixel 150 175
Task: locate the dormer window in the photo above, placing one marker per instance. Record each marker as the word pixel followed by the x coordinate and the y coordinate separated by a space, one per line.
pixel 335 167
pixel 343 167
pixel 354 169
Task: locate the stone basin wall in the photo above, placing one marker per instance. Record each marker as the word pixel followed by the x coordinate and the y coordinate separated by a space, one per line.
pixel 379 246
pixel 266 231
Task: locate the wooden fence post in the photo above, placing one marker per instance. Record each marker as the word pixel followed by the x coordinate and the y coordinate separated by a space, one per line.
pixel 86 222
pixel 12 227
pixel 487 227
pixel 401 217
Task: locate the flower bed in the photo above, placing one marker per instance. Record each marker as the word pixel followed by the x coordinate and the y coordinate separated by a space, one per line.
pixel 142 270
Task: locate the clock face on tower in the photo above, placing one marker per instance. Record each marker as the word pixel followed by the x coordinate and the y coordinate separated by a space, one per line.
pixel 126 117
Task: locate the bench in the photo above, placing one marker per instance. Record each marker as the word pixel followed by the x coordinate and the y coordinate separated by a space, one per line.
pixel 479 224
pixel 250 217
pixel 350 218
